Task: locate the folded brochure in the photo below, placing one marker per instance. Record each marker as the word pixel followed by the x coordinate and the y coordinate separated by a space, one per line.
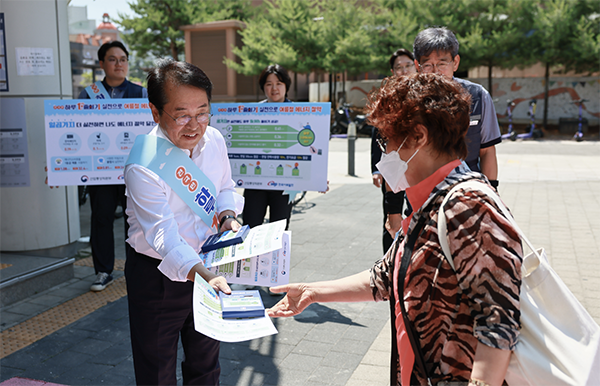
pixel 208 318
pixel 225 239
pixel 242 304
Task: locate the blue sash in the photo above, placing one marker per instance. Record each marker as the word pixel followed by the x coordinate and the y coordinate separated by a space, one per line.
pixel 179 172
pixel 97 91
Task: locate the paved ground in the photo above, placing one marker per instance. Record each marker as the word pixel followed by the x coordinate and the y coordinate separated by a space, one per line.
pixel 552 188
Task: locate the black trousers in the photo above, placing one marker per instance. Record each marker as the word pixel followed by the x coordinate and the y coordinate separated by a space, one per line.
pixel 159 311
pixel 255 207
pixel 387 239
pixel 104 200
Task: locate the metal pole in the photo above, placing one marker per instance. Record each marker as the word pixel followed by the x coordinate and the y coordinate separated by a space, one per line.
pixel 351 145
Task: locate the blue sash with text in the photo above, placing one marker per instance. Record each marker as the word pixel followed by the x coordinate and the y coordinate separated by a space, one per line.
pixel 179 172
pixel 97 91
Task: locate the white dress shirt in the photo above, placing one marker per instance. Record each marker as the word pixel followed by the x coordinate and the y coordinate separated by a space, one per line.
pixel 161 224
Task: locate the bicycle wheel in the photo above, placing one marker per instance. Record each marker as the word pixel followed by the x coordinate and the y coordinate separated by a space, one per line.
pixel 298 198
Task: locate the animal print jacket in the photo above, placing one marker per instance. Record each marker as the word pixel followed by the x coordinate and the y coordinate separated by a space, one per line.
pixel 452 311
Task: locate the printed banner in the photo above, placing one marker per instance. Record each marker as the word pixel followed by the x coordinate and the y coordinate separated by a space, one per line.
pixel 276 146
pixel 88 141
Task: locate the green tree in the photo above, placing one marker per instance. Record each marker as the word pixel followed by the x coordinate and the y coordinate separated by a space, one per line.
pixel 555 39
pixel 495 34
pixel 155 29
pixel 287 33
pixel 395 27
pixel 586 43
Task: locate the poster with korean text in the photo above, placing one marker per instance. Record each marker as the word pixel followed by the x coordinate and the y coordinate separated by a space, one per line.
pixel 88 141
pixel 277 146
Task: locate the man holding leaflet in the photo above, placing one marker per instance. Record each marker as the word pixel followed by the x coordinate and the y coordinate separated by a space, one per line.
pixel 179 192
pixel 114 60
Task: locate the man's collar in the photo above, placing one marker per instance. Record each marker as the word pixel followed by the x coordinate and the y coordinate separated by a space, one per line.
pixel 119 87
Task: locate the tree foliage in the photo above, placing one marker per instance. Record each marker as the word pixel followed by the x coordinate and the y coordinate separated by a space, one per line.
pixel 353 36
pixel 155 29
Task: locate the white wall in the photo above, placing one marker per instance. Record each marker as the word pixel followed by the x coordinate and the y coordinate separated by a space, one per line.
pixel 37 217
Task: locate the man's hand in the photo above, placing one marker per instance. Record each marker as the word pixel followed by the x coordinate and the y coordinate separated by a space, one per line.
pixel 298 297
pixel 393 223
pixel 377 179
pixel 230 223
pixel 219 284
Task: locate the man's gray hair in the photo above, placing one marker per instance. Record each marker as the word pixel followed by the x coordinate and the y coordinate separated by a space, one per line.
pixel 435 39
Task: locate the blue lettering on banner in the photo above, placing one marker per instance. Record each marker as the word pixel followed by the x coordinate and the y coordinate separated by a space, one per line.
pixel 205 200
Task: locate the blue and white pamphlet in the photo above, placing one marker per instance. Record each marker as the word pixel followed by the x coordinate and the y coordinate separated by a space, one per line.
pixel 242 304
pixel 208 319
pixel 225 239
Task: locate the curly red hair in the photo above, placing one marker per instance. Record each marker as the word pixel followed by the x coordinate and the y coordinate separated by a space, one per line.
pixel 439 104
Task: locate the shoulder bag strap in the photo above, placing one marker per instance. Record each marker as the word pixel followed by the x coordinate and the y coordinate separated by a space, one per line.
pixel 413 336
pixel 475 185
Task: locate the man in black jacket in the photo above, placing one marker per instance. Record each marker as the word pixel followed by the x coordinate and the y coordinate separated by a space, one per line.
pixel 114 60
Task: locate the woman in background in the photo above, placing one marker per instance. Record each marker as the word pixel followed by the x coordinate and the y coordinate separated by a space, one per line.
pixel 275 83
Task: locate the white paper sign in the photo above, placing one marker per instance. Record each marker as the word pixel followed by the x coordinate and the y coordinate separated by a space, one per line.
pixel 34 61
pixel 88 141
pixel 208 318
pixel 260 240
pixel 276 146
pixel 266 270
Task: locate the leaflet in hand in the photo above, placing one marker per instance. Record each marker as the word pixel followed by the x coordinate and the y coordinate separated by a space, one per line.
pixel 241 304
pixel 261 239
pixel 266 270
pixel 208 318
pixel 225 239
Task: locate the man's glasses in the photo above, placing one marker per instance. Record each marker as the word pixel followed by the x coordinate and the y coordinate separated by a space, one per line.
pixel 441 66
pixel 382 144
pixel 112 60
pixel 185 119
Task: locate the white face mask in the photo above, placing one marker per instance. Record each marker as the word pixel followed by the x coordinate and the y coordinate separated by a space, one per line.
pixel 393 169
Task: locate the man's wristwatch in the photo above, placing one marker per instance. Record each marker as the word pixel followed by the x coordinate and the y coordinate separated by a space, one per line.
pixel 225 218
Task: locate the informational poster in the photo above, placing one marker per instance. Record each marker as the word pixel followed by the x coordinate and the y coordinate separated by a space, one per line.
pixel 88 141
pixel 208 318
pixel 261 239
pixel 34 61
pixel 276 146
pixel 14 156
pixel 266 270
pixel 3 71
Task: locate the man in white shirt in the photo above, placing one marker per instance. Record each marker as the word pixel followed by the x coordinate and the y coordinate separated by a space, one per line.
pixel 165 234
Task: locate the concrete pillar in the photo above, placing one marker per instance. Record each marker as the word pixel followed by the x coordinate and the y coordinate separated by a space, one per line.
pixel 36 217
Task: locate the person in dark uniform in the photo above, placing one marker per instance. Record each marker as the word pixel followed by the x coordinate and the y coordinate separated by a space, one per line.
pixel 104 199
pixel 401 64
pixel 436 51
pixel 275 83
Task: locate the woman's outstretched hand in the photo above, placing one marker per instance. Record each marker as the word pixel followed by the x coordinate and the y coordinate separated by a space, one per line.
pixel 298 297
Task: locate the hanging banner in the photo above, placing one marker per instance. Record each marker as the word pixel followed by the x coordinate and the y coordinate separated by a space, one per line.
pixel 276 146
pixel 88 141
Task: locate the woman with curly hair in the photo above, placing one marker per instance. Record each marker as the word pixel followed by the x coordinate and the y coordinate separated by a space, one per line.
pixel 458 324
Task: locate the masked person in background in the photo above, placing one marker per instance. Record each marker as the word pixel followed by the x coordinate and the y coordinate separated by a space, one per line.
pixel 401 64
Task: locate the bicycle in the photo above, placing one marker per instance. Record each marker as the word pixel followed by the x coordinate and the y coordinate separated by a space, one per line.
pixel 298 198
pixel 579 134
pixel 512 134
